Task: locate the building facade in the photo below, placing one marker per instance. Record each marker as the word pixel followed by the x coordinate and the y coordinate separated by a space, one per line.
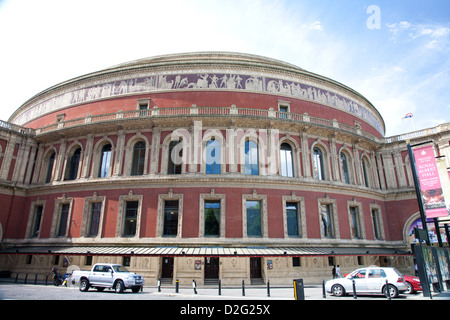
pixel 205 166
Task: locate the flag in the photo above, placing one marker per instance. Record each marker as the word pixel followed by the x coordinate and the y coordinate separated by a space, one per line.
pixel 408 115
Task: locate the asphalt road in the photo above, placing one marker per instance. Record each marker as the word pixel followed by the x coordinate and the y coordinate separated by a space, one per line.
pixel 32 300
pixel 17 291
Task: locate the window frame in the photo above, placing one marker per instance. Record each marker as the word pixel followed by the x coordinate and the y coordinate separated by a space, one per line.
pixel 87 216
pixel 121 215
pixel 264 220
pixel 202 214
pixel 161 206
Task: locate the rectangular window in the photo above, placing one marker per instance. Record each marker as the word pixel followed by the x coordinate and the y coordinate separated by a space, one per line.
pixel 296 262
pixel 212 218
pixel 126 261
pixel 254 218
pixel 37 221
pixel 376 224
pixel 326 220
pixel 129 228
pixel 170 218
pixel 96 208
pixel 63 220
pixel 354 218
pixel 88 261
pixel 292 219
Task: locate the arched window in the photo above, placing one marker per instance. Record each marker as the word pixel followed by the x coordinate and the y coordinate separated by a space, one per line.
pixel 213 157
pixel 51 162
pixel 175 157
pixel 286 162
pixel 105 161
pixel 319 172
pixel 251 158
pixel 73 164
pixel 344 166
pixel 365 173
pixel 137 164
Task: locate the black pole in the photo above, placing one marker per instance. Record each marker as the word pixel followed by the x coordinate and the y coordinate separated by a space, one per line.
pixel 388 293
pixel 447 233
pixel 354 289
pixel 220 287
pixel 268 288
pixel 438 232
pixel 194 285
pixel 243 288
pixel 423 218
pixel 324 293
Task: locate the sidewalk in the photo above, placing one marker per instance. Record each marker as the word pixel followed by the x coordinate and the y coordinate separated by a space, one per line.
pixel 259 292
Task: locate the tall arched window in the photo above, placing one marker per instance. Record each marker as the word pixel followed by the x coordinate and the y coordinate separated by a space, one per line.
pixel 319 172
pixel 105 161
pixel 286 162
pixel 213 157
pixel 344 166
pixel 73 164
pixel 137 164
pixel 51 162
pixel 251 158
pixel 175 157
pixel 365 173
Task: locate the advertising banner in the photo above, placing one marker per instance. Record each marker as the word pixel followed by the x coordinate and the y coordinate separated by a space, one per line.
pixel 444 176
pixel 430 184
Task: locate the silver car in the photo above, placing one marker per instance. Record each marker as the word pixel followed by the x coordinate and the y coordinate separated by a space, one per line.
pixel 369 280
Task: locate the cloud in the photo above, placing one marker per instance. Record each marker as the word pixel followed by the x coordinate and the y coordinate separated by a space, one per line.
pixel 432 34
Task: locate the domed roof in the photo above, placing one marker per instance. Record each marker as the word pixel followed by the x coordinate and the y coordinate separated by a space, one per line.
pixel 210 58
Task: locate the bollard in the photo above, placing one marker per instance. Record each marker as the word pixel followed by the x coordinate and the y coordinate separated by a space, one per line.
pixel 324 293
pixel 159 284
pixel 243 288
pixel 268 287
pixel 26 277
pixel 194 285
pixel 299 289
pixel 220 287
pixel 46 278
pixel 388 294
pixel 17 277
pixel 35 278
pixel 177 285
pixel 354 289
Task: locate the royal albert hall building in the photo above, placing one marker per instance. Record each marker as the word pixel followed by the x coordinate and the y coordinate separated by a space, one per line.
pixel 206 166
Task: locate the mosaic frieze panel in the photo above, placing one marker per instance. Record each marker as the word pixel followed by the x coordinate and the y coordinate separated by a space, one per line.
pixel 199 81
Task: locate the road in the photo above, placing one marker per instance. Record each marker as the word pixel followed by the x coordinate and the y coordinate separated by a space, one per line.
pixel 16 291
pixel 32 300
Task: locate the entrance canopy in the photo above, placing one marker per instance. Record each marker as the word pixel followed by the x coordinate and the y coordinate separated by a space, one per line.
pixel 205 251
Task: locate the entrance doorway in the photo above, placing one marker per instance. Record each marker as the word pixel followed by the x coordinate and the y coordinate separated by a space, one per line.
pixel 167 267
pixel 255 268
pixel 211 268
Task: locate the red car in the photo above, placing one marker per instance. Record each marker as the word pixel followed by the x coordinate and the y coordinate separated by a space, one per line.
pixel 413 284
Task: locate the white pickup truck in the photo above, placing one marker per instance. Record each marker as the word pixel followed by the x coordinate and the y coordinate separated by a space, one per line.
pixel 107 275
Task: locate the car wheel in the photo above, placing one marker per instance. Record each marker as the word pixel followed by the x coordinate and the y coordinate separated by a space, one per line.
pixel 410 289
pixel 393 291
pixel 119 287
pixel 84 285
pixel 338 290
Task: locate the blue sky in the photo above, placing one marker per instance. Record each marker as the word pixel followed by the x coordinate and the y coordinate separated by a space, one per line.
pixel 402 65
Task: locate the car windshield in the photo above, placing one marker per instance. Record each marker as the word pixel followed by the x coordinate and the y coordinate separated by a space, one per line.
pixel 120 269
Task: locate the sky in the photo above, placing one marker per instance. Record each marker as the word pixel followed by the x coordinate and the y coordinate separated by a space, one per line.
pixel 395 53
